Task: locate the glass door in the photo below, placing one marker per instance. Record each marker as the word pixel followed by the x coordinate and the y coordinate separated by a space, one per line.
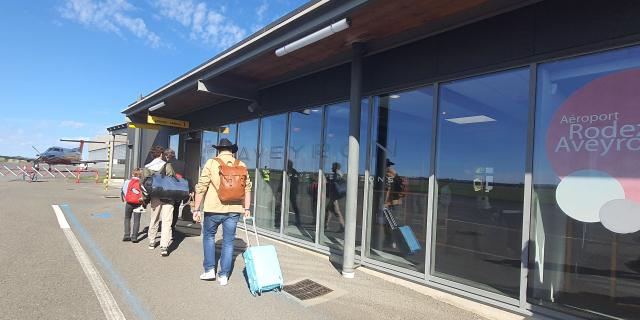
pixel 480 164
pixel 399 181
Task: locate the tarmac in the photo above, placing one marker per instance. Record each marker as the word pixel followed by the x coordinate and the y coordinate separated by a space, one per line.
pixel 41 278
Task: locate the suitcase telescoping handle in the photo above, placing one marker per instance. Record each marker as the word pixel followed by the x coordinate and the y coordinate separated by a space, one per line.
pixel 255 231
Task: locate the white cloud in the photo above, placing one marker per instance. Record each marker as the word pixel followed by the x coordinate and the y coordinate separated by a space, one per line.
pixel 72 124
pixel 262 10
pixel 110 16
pixel 205 24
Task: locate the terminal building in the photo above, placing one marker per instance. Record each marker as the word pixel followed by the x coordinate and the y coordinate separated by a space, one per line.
pixel 503 134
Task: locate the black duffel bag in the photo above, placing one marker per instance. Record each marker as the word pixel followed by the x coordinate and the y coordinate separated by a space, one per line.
pixel 165 187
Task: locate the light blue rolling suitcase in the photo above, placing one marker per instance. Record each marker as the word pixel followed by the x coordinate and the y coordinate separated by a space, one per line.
pixel 262 265
pixel 410 239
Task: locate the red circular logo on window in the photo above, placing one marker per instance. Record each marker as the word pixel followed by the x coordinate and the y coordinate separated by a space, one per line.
pixel 593 145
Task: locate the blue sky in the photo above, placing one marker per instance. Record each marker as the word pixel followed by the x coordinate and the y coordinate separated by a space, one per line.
pixel 70 66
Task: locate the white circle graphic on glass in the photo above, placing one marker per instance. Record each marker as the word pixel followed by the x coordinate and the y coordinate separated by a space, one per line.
pixel 621 216
pixel 582 193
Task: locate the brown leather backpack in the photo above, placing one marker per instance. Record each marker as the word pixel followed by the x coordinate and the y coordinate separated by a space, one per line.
pixel 233 179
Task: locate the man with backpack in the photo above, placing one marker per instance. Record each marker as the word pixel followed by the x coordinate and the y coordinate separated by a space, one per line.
pixel 160 208
pixel 225 186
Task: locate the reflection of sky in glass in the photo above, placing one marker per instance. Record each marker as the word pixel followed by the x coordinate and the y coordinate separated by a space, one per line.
pixel 557 81
pixel 248 142
pixel 336 139
pixel 499 144
pixel 174 144
pixel 409 131
pixel 227 131
pixel 304 141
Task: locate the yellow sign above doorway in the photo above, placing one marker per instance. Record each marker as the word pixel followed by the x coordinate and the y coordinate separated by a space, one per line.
pixel 167 122
pixel 134 125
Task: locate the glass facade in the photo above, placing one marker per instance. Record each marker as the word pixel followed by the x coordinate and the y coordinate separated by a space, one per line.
pixel 585 252
pixel 583 248
pixel 480 164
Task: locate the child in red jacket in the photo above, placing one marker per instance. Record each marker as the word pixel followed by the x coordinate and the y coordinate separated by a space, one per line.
pixel 132 195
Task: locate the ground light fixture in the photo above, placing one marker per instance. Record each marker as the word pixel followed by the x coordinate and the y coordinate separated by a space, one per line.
pixel 314 37
pixel 157 106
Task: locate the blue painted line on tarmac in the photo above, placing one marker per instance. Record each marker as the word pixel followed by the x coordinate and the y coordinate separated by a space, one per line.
pixel 140 311
pixel 103 215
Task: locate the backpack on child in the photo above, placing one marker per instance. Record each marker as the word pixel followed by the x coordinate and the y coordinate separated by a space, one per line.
pixel 133 195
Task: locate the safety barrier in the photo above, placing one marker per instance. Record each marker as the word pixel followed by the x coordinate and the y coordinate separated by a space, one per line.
pixel 78 171
pixel 25 172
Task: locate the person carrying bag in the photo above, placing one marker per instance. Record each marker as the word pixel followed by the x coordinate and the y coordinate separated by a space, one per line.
pixel 158 169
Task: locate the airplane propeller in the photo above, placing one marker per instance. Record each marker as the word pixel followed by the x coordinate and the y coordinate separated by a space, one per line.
pixel 38 151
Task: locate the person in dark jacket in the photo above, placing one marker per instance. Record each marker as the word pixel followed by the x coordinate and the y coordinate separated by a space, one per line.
pixel 160 209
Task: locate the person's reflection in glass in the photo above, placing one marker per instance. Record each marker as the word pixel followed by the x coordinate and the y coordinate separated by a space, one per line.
pixel 294 179
pixel 336 190
pixel 392 201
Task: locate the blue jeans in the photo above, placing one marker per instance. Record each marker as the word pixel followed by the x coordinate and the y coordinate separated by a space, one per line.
pixel 209 229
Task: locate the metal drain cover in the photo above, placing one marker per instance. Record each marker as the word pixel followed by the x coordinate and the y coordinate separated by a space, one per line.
pixel 306 289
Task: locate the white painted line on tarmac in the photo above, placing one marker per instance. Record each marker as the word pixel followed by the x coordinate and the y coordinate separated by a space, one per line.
pixel 61 219
pixel 107 302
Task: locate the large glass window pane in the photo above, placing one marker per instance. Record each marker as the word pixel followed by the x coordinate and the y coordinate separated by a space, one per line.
pixel 400 167
pixel 270 168
pixel 335 159
pixel 585 234
pixel 248 148
pixel 303 163
pixel 209 139
pixel 481 151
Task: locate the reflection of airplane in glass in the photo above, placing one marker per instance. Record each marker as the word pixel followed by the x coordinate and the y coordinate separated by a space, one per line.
pixel 66 156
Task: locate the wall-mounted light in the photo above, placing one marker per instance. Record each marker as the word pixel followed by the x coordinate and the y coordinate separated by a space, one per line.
pixel 157 106
pixel 314 37
pixel 394 96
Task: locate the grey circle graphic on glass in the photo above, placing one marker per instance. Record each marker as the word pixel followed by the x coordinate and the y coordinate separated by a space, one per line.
pixel 621 216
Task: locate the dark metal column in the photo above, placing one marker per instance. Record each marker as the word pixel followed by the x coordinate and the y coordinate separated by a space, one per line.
pixel 348 257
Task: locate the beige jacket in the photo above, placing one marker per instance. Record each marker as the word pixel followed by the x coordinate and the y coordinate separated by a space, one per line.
pixel 209 181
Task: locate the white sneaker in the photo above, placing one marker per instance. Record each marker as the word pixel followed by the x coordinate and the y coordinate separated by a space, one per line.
pixel 208 275
pixel 223 280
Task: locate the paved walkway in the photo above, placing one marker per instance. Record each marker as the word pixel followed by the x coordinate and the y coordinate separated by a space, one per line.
pixel 147 286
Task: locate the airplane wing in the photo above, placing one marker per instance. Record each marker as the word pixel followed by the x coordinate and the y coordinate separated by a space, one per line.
pixel 92 161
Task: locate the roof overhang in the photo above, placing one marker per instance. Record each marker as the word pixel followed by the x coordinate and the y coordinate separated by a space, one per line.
pixel 252 65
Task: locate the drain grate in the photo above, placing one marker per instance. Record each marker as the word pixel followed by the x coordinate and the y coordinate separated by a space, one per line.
pixel 306 289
